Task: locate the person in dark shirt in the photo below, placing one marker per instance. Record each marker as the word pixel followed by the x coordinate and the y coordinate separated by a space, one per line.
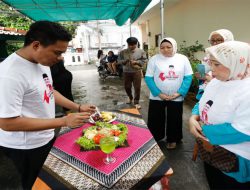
pixel 62 80
pixel 112 61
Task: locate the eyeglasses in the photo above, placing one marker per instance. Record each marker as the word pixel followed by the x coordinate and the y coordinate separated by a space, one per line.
pixel 215 41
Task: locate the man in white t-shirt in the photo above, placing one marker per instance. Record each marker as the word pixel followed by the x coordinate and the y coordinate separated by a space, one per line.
pixel 27 98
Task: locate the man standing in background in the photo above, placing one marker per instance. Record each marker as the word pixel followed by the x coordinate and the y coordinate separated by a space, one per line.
pixel 132 60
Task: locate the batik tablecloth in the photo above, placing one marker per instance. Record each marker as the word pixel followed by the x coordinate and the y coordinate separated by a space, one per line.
pixel 132 163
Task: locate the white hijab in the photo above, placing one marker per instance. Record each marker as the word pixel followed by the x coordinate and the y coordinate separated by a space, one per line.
pixel 227 35
pixel 173 42
pixel 234 55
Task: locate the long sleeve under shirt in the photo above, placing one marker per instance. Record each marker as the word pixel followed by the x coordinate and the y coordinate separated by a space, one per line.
pixel 224 110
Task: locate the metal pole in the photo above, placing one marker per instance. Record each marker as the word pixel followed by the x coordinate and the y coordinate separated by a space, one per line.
pixel 130 33
pixel 162 18
pixel 98 35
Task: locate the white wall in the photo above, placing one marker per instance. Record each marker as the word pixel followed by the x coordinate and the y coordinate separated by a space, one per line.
pixel 74 59
pixel 192 20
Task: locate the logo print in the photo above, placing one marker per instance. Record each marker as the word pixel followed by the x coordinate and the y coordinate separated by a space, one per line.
pixel 48 92
pixel 204 116
pixel 171 75
pixel 242 60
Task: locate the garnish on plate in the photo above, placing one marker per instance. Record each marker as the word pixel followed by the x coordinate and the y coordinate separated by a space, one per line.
pixel 102 116
pixel 91 136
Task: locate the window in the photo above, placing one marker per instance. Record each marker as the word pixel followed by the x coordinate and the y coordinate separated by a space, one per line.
pixel 157 40
pixel 73 59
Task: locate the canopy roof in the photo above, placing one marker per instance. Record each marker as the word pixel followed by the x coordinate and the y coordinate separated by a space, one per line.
pixel 80 10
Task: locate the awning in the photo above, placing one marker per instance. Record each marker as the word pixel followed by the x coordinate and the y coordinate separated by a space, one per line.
pixel 80 10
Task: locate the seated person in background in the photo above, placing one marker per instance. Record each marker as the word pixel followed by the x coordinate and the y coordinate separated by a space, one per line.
pixel 112 61
pixel 101 56
pixel 62 80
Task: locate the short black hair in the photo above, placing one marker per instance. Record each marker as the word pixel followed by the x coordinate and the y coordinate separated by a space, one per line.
pixel 111 52
pixel 132 41
pixel 47 33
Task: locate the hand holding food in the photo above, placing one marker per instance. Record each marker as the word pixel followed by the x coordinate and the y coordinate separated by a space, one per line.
pixel 76 119
pixel 87 108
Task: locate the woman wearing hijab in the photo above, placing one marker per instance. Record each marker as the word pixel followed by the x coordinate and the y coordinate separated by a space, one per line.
pixel 226 120
pixel 219 36
pixel 168 77
pixel 215 37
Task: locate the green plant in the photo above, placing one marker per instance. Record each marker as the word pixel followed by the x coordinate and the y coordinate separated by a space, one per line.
pixel 190 51
pixel 13 46
pixel 151 52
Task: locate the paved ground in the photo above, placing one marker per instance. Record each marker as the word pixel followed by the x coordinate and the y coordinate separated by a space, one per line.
pixel 110 95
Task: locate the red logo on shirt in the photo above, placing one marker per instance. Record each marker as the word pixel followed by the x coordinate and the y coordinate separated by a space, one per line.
pixel 204 116
pixel 162 77
pixel 48 92
pixel 171 75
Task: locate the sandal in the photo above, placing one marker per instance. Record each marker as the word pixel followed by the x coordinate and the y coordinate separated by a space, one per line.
pixel 129 101
pixel 137 106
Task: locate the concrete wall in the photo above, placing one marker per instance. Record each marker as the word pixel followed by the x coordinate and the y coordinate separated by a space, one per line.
pixel 192 20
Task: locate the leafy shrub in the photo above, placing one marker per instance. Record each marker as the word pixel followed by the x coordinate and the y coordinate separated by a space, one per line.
pixel 190 51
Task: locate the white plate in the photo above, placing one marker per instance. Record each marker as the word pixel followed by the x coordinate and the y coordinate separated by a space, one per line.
pixel 93 122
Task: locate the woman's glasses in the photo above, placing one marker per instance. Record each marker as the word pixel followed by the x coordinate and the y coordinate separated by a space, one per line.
pixel 215 41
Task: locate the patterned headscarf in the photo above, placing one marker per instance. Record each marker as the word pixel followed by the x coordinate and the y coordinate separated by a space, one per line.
pixel 226 34
pixel 173 42
pixel 234 55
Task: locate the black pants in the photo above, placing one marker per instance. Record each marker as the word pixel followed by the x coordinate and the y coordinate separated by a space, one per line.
pixel 27 163
pixel 159 124
pixel 217 180
pixel 135 79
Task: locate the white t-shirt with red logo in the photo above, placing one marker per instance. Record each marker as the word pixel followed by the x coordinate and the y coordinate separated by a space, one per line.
pixel 228 102
pixel 26 91
pixel 168 73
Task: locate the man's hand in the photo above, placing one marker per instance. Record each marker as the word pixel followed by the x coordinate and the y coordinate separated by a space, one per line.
pixel 126 62
pixel 76 119
pixel 87 108
pixel 133 62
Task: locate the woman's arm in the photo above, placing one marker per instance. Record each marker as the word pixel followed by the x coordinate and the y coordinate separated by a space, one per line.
pixel 195 110
pixel 152 86
pixel 185 85
pixel 222 134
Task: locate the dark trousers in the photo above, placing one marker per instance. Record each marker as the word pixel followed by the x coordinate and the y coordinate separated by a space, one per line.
pixel 217 180
pixel 27 163
pixel 161 123
pixel 135 79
